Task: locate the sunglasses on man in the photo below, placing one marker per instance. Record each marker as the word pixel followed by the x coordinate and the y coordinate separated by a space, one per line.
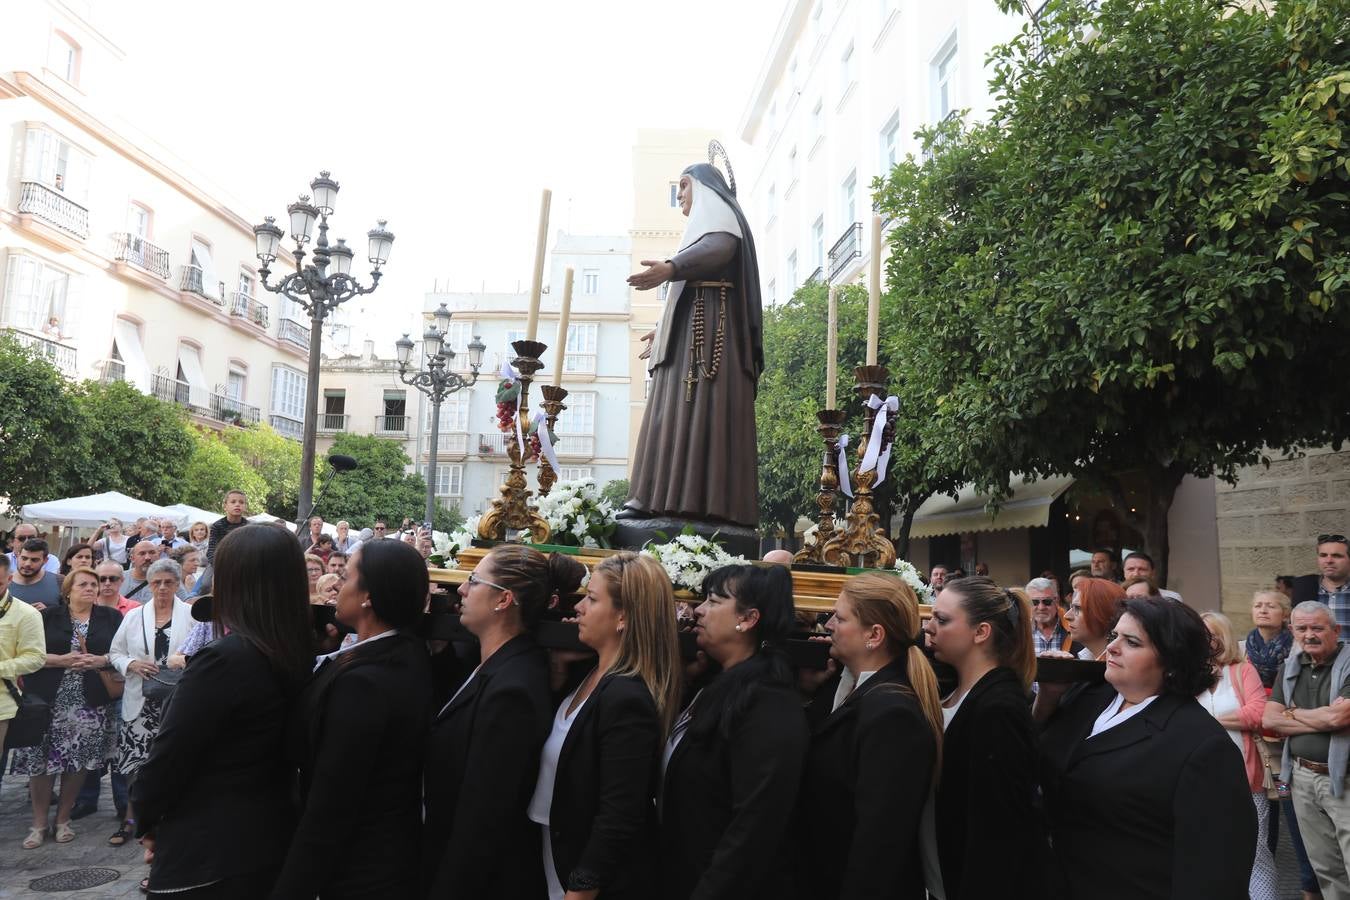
pixel 1044 601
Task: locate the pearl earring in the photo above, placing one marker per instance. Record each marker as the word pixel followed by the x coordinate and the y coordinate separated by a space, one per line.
pixel 365 606
pixel 738 628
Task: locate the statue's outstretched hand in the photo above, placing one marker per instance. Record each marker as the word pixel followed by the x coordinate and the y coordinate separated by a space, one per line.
pixel 647 338
pixel 657 272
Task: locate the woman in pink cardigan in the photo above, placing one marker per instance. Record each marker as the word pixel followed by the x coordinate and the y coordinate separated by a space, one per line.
pixel 1237 700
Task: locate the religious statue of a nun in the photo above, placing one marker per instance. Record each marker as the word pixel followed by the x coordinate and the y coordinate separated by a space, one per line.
pixel 696 456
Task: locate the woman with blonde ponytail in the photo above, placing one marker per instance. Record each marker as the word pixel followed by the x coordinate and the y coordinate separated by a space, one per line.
pixel 876 730
pixel 595 796
pixel 987 832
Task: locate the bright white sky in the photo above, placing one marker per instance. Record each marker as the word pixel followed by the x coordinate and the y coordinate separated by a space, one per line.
pixel 445 118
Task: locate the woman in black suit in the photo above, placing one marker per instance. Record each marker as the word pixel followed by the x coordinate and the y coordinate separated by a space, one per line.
pixel 597 773
pixel 482 755
pixel 876 731
pixel 988 837
pixel 733 763
pixel 358 736
pixel 212 796
pixel 1145 792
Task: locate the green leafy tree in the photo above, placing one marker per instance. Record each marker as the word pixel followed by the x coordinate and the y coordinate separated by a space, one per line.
pixel 277 462
pixel 1140 262
pixel 379 486
pixel 213 469
pixel 136 444
pixel 616 492
pixel 39 428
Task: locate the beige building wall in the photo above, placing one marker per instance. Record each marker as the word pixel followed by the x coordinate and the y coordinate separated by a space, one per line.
pixel 362 382
pixel 1269 521
pixel 149 277
pixel 659 156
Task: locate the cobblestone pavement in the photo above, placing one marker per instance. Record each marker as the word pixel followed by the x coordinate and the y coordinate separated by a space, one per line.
pixel 18 867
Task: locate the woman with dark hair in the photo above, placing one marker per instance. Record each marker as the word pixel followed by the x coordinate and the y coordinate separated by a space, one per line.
pixel 362 720
pixel 986 827
pixel 1136 773
pixel 597 772
pixel 873 763
pixel 482 755
pixel 733 764
pixel 79 556
pixel 211 797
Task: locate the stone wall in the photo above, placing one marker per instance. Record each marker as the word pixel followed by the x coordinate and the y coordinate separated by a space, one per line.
pixel 1269 521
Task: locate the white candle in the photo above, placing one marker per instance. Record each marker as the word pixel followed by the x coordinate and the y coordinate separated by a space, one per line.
pixel 537 285
pixel 561 355
pixel 832 349
pixel 874 294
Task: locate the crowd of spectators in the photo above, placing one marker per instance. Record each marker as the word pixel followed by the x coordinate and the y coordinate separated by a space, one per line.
pixel 277 723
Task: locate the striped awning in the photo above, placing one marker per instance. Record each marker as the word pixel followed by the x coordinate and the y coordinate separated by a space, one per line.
pixel 1028 507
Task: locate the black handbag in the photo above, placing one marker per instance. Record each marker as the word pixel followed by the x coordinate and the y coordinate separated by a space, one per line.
pixel 159 687
pixel 29 725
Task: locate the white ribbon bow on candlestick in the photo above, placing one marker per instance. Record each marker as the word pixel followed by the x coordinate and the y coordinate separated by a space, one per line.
pixel 841 463
pixel 546 442
pixel 875 454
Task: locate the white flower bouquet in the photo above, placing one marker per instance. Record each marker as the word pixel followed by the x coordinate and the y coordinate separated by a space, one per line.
pixel 910 576
pixel 577 515
pixel 448 546
pixel 689 558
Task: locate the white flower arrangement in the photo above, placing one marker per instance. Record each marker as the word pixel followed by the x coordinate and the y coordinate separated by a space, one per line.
pixel 448 546
pixel 911 577
pixel 577 515
pixel 689 558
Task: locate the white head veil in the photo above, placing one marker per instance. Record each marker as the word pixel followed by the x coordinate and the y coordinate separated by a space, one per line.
pixel 708 214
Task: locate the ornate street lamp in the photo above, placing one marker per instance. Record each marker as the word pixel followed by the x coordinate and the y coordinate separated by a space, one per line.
pixel 437 381
pixel 319 288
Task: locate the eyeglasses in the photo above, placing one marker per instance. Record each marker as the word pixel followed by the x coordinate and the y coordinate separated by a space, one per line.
pixel 108 579
pixel 474 579
pixel 1332 539
pixel 1043 601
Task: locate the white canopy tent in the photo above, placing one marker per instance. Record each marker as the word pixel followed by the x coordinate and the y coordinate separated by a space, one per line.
pixel 91 511
pixel 184 515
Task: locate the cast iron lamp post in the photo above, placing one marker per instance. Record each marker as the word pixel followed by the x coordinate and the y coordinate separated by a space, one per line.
pixel 437 381
pixel 318 291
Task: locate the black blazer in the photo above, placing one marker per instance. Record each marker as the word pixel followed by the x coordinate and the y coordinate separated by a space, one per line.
pixel 726 813
pixel 56 624
pixel 357 735
pixel 602 821
pixel 482 763
pixel 868 776
pixel 1156 807
pixel 988 834
pixel 215 790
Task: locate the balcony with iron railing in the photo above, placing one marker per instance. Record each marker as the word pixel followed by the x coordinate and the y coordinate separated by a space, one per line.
pixel 575 446
pixel 286 426
pixel 245 307
pixel 59 354
pixel 53 207
pixel 141 253
pixel 494 443
pixel 201 402
pixel 193 282
pixel 939 139
pixel 111 371
pixel 333 421
pixel 292 331
pixel 816 276
pixel 391 425
pixel 845 250
pixel 453 444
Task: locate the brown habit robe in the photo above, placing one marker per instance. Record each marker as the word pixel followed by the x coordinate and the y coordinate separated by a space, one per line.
pixel 699 459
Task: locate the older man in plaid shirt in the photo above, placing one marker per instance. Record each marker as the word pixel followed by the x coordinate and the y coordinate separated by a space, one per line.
pixel 1047 631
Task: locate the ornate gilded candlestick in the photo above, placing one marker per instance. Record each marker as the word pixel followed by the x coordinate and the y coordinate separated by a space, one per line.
pixel 862 542
pixel 552 406
pixel 831 422
pixel 511 511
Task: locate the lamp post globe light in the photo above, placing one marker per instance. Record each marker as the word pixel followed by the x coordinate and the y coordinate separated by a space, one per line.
pixel 319 288
pixel 437 381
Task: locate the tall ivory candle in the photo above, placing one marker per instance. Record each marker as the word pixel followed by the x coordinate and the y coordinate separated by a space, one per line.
pixel 874 294
pixel 561 355
pixel 832 349
pixel 537 285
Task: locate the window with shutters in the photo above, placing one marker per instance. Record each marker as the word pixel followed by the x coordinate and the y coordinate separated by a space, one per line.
pixel 36 292
pixel 582 338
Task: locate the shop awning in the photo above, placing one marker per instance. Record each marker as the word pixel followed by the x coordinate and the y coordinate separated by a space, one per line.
pixel 1028 507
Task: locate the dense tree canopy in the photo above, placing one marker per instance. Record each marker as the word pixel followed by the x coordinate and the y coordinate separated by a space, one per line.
pixel 212 470
pixel 38 427
pixel 1140 262
pixel 276 460
pixel 130 442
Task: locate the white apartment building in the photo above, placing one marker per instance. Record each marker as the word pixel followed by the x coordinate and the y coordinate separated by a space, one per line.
pixel 593 432
pixel 838 98
pixel 115 264
pixel 361 393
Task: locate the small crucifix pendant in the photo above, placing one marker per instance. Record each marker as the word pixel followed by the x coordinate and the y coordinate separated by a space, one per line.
pixel 689 383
